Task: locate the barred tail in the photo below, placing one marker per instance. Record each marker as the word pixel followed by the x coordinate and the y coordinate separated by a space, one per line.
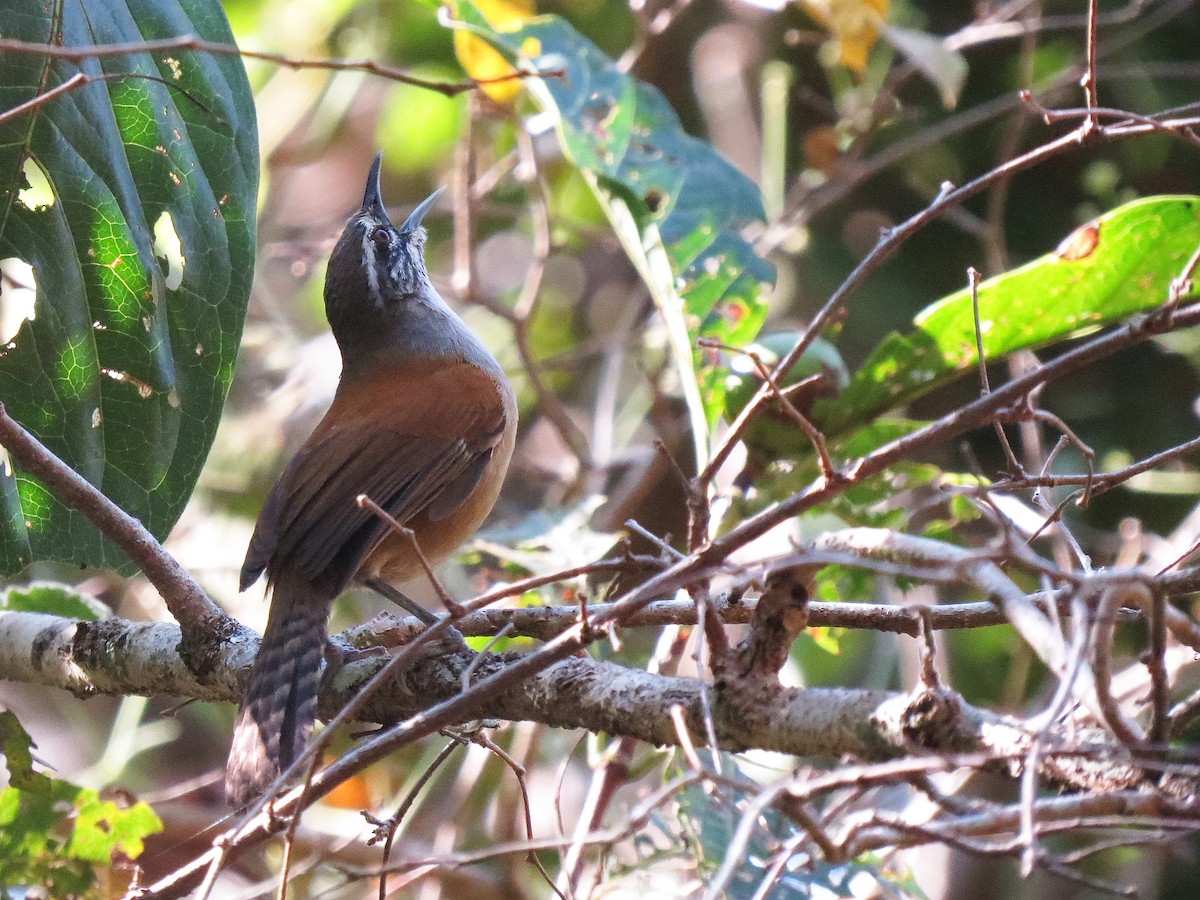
pixel 275 720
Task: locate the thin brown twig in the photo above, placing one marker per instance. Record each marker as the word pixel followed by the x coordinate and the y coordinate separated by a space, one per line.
pixel 814 435
pixel 883 249
pixel 387 827
pixel 1159 680
pixel 518 771
pixel 709 632
pixel 1088 82
pixel 199 45
pixel 1102 481
pixel 1124 728
pixel 1088 454
pixel 79 79
pixel 638 818
pixel 985 387
pixel 963 419
pixel 549 403
pixel 453 607
pixel 1180 128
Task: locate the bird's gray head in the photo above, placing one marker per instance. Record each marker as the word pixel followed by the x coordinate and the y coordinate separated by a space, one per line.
pixel 377 269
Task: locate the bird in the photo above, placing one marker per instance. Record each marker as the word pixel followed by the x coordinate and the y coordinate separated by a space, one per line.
pixel 423 423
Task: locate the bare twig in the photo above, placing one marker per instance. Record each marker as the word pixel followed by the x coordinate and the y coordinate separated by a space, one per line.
pixel 452 606
pixel 192 43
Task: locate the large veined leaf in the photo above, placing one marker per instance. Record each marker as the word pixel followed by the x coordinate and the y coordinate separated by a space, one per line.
pixel 677 205
pixel 132 197
pixel 1118 265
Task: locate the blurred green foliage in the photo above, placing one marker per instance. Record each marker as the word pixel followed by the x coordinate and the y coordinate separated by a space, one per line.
pixel 56 836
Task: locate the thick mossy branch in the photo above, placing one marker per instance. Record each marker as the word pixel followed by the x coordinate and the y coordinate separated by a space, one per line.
pixel 121 657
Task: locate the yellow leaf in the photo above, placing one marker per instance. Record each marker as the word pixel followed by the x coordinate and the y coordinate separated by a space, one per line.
pixel 828 639
pixel 854 25
pixel 483 63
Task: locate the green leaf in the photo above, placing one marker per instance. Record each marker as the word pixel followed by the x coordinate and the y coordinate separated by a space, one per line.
pixel 58 838
pixel 1118 265
pixel 54 599
pixel 17 747
pixel 103 828
pixel 52 833
pixel 137 218
pixel 684 201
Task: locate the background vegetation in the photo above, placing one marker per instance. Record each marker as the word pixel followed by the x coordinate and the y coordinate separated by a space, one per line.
pixel 616 264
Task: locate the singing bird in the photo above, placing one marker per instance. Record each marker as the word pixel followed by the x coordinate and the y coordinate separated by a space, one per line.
pixel 423 423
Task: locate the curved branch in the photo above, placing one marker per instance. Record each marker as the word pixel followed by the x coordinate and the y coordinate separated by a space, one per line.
pixel 199 617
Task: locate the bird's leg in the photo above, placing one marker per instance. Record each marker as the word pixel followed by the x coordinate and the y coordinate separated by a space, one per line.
pixel 383 589
pixel 452 606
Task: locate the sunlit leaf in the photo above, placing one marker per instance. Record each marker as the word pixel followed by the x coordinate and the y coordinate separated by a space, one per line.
pixel 142 259
pixel 59 838
pixel 53 834
pixel 53 599
pixel 1120 264
pixel 102 827
pixel 482 61
pixel 853 24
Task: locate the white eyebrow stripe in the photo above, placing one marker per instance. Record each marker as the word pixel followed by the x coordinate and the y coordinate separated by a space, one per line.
pixel 369 261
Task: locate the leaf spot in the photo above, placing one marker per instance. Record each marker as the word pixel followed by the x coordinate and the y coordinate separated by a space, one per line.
pixel 144 390
pixel 1080 243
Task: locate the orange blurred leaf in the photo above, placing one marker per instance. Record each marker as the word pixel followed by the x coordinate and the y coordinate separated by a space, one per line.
pixel 481 61
pixel 352 793
pixel 854 25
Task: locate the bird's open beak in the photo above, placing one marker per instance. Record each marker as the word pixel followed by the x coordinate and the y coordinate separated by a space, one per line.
pixel 413 222
pixel 373 200
pixel 373 197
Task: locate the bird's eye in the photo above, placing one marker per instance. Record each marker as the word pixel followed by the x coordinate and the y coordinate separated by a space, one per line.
pixel 380 236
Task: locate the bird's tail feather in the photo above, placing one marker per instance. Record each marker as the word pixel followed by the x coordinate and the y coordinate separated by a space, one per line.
pixel 275 720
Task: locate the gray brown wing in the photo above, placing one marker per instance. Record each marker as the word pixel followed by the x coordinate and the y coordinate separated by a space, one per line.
pixel 311 518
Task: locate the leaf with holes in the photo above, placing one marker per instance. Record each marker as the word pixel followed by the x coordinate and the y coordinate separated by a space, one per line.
pixel 682 196
pixel 1120 264
pixel 127 203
